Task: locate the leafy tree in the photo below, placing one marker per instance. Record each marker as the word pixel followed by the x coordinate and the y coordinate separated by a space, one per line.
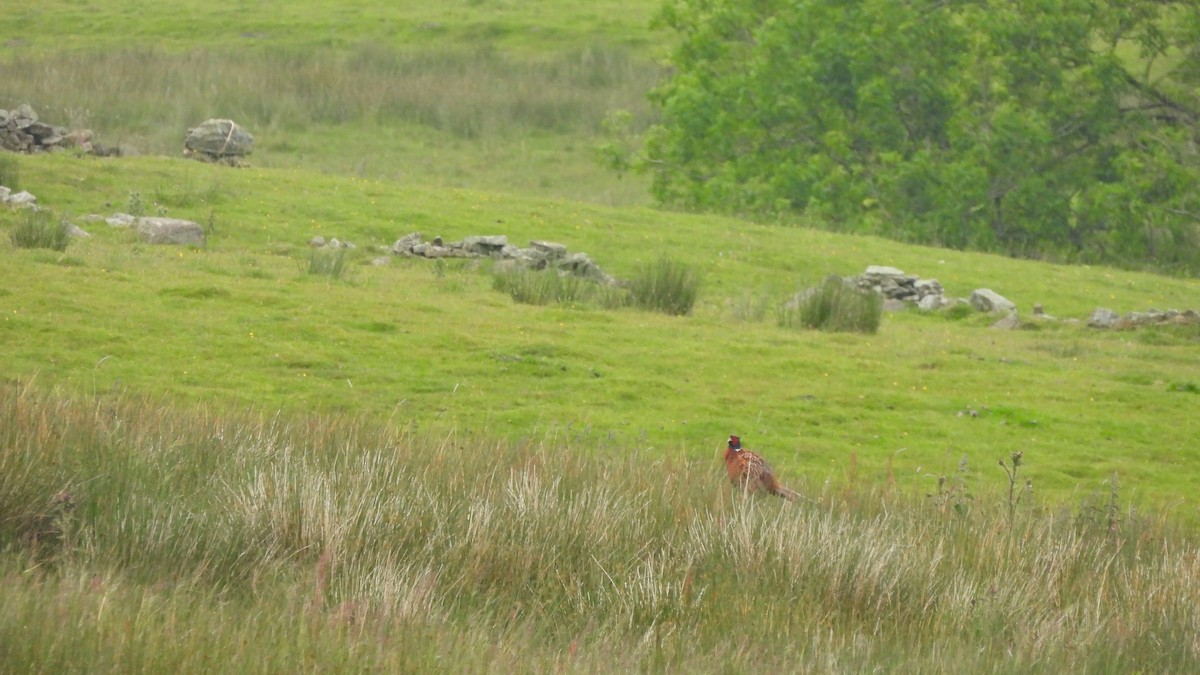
pixel 1037 127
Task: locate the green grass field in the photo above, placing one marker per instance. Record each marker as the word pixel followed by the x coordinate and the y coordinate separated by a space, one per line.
pixel 213 460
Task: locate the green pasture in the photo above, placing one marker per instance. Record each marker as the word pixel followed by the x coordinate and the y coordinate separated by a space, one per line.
pixel 213 459
pixel 530 26
pixel 432 345
pixel 502 96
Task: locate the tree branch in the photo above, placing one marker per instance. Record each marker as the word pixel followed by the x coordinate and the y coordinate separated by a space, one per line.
pixel 1190 116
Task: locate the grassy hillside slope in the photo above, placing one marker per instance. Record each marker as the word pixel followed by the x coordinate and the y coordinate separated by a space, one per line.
pixel 534 27
pixel 212 460
pixel 433 345
pixel 507 96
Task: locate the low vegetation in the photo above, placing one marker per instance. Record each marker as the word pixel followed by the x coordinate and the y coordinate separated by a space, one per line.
pixel 834 305
pixel 327 263
pixel 666 286
pixel 256 457
pixel 459 111
pixel 544 287
pixel 10 173
pixel 39 229
pixel 138 535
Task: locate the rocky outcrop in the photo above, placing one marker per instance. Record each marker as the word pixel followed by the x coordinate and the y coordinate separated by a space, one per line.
pixel 22 131
pixel 1103 318
pixel 18 200
pixel 219 140
pixel 894 284
pixel 900 289
pixel 539 255
pixel 331 243
pixel 155 230
pixel 987 300
pixel 1106 318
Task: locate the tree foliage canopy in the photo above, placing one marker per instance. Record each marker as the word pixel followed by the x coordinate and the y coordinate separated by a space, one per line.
pixel 1067 128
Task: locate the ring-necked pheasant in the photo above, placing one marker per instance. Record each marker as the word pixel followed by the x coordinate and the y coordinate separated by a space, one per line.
pixel 750 471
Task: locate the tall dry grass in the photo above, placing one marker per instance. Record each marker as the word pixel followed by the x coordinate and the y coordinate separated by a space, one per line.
pixel 146 98
pixel 239 541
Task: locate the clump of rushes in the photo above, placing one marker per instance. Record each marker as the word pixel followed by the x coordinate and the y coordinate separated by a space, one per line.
pixel 328 263
pixel 666 286
pixel 836 306
pixel 40 229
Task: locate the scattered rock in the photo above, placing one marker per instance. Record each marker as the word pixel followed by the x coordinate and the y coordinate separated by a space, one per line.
pixel 1103 318
pixel 931 302
pixel 1009 322
pixel 333 243
pixel 121 220
pixel 76 231
pixel 1039 313
pixel 155 230
pixel 581 265
pixel 987 300
pixel 18 200
pixel 485 246
pixel 218 140
pixel 404 245
pixel 549 249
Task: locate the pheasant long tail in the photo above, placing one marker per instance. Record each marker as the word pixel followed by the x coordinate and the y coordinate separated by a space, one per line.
pixel 788 493
pixel 772 484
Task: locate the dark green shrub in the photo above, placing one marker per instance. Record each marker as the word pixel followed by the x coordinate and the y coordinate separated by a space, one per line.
pixel 835 305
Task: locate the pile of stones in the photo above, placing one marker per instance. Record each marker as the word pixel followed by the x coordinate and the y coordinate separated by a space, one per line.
pixel 900 290
pixel 22 131
pixel 893 284
pixel 1106 318
pixel 539 255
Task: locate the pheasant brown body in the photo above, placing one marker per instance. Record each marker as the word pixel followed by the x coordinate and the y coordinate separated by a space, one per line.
pixel 751 472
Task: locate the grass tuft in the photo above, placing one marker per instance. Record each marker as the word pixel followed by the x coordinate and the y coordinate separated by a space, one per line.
pixel 327 263
pixel 40 229
pixel 835 306
pixel 531 287
pixel 10 172
pixel 750 306
pixel 665 286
